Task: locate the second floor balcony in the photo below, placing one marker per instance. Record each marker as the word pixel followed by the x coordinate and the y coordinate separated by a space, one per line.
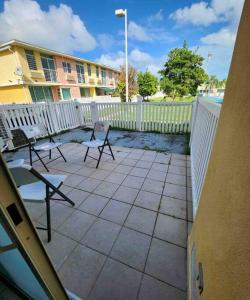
pixel 50 75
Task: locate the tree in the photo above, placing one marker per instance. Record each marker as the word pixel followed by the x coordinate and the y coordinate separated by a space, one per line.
pixel 182 73
pixel 132 84
pixel 214 83
pixel 147 84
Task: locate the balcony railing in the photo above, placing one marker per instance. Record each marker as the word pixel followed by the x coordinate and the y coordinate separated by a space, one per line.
pixel 50 75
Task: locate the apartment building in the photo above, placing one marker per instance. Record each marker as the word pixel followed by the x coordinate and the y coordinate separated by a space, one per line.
pixel 30 73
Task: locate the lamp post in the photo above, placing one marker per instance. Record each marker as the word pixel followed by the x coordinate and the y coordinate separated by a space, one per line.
pixel 124 13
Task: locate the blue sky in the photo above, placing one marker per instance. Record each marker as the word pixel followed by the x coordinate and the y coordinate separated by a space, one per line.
pixel 90 29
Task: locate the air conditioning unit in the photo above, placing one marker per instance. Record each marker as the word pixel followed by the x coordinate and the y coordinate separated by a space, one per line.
pixel 70 77
pixel 91 80
pixel 36 74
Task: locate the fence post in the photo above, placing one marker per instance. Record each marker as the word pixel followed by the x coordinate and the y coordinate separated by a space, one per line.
pixel 51 110
pixel 195 106
pixel 78 111
pixel 94 112
pixel 139 113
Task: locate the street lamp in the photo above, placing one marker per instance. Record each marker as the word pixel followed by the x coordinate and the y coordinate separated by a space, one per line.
pixel 123 13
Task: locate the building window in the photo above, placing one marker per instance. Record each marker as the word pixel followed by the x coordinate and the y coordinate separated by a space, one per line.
pixel 80 73
pixel 89 69
pixel 84 92
pixel 49 67
pixel 41 93
pixel 103 72
pixel 97 71
pixel 31 59
pixel 110 75
pixel 65 92
pixel 66 67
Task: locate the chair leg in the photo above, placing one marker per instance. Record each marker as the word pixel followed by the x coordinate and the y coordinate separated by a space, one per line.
pixel 111 151
pixel 30 153
pixel 49 154
pixel 101 151
pixel 41 160
pixel 48 219
pixel 64 197
pixel 86 154
pixel 61 154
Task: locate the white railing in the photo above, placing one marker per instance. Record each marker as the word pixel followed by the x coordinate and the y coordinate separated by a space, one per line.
pixel 55 116
pixel 165 117
pixel 203 129
pixel 105 98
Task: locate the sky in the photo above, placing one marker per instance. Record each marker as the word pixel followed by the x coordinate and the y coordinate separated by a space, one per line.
pixel 90 29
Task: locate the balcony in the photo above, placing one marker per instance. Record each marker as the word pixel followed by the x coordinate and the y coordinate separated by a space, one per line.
pixel 50 75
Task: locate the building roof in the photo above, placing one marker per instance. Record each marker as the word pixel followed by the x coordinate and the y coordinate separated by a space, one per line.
pixel 51 52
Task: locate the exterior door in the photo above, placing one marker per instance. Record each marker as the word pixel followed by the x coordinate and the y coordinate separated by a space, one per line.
pixel 25 268
pixel 66 95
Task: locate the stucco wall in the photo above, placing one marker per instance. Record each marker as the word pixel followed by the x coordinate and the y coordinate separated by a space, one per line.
pixel 221 230
pixel 14 94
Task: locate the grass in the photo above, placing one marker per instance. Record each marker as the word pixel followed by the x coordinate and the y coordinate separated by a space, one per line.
pixel 178 99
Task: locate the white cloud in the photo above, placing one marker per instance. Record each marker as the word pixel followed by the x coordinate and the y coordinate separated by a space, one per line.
pixel 149 33
pixel 156 17
pixel 106 41
pixel 139 59
pixel 114 60
pixel 203 13
pixel 58 28
pixel 224 37
pixel 137 32
pixel 197 14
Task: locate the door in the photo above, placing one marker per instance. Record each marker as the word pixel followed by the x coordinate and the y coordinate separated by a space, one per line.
pixel 25 268
pixel 66 95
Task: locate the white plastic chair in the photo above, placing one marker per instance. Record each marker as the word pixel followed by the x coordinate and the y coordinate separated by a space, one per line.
pixel 38 188
pixel 31 133
pixel 94 143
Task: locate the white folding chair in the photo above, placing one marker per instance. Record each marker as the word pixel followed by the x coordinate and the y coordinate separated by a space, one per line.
pixel 35 187
pixel 30 134
pixel 94 143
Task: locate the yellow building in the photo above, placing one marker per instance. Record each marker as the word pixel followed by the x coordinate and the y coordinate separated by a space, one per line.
pixel 29 73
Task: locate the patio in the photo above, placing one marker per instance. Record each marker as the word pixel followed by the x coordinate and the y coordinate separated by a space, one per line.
pixel 126 237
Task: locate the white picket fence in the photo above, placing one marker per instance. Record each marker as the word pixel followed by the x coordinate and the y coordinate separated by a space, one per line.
pixel 203 129
pixel 166 117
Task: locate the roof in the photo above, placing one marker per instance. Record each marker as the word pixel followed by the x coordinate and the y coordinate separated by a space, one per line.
pixel 52 52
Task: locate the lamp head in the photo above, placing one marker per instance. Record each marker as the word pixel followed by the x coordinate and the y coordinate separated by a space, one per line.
pixel 120 12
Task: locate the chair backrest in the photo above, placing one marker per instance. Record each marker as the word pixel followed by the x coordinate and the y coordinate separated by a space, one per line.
pixel 33 131
pixel 23 175
pixel 102 126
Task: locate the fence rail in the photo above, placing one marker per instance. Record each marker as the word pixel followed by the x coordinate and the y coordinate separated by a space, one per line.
pixel 204 124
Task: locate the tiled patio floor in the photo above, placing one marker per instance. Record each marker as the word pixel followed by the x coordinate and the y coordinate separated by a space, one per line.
pixel 126 236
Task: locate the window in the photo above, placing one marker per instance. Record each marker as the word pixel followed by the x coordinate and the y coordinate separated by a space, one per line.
pixel 49 67
pixel 41 93
pixel 97 71
pixel 85 92
pixel 80 73
pixel 110 75
pixel 31 59
pixel 103 72
pixel 66 67
pixel 89 69
pixel 66 95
